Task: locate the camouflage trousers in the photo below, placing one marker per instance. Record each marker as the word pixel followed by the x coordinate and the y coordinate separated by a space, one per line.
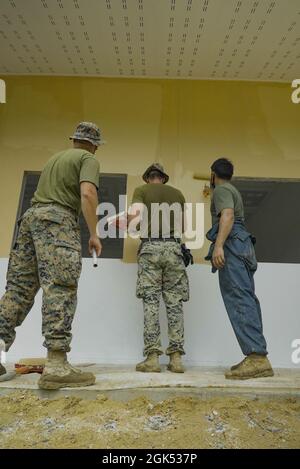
pixel 161 270
pixel 47 255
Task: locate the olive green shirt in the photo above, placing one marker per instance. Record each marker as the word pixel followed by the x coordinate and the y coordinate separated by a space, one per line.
pixel 160 222
pixel 226 196
pixel 61 177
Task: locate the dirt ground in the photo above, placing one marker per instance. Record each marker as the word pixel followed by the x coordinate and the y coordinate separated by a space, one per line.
pixel 26 421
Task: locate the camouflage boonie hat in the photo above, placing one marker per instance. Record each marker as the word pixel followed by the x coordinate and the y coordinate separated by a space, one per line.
pixel 89 132
pixel 155 167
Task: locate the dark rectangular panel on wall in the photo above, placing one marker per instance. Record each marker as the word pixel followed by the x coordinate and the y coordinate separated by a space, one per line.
pixel 272 208
pixel 110 188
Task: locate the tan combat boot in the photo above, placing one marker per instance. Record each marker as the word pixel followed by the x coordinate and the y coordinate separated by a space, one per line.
pixel 58 373
pixel 253 366
pixel 175 364
pixel 234 367
pixel 150 365
pixel 2 370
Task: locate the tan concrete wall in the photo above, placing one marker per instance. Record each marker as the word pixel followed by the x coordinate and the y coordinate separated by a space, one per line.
pixel 185 125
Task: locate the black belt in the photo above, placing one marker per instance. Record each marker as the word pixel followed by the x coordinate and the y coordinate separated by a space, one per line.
pixel 151 240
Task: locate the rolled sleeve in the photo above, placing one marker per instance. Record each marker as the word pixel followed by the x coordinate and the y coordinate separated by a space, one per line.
pixel 90 171
pixel 223 199
pixel 137 196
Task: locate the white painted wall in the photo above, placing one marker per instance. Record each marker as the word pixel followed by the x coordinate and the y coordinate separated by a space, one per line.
pixel 108 327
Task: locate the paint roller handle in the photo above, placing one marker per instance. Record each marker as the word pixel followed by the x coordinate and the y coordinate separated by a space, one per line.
pixel 95 258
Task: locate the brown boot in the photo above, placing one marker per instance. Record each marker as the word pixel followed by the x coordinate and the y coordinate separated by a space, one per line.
pixel 253 366
pixel 234 367
pixel 175 364
pixel 58 373
pixel 2 370
pixel 150 365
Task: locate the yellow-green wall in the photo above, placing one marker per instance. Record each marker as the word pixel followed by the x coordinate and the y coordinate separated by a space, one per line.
pixel 184 125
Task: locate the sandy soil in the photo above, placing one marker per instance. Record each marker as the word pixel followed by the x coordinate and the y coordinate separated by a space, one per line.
pixel 26 421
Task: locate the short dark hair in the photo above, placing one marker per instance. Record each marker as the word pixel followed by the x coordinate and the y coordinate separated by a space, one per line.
pixel 155 174
pixel 223 168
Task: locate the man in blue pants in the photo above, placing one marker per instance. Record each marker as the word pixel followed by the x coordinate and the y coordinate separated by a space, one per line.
pixel 232 254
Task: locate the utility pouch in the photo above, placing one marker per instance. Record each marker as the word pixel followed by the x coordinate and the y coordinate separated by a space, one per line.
pixel 187 255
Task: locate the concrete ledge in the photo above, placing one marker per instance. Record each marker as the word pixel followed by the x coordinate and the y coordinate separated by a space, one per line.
pixel 196 380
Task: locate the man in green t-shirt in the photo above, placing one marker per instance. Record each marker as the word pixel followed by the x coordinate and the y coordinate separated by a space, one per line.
pixel 159 209
pixel 232 254
pixel 47 255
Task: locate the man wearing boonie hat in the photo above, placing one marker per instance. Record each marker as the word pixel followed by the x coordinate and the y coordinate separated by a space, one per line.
pixel 161 268
pixel 47 254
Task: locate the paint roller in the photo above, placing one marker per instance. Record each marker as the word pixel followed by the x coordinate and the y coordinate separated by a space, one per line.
pixel 30 365
pixel 24 367
pixel 203 177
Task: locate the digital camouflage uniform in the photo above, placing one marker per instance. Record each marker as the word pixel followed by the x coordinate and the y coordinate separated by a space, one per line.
pixel 47 254
pixel 161 270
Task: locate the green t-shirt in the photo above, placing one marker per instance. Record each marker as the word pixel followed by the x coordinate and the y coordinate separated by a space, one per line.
pixel 163 220
pixel 60 179
pixel 226 196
